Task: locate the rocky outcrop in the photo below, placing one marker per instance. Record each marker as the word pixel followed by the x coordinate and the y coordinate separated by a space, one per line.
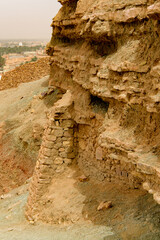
pixel 107 54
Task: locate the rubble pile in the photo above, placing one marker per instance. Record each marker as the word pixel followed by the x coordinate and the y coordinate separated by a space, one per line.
pixel 25 73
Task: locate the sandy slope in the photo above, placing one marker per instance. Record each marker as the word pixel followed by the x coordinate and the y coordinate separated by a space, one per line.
pixel 22 122
pixel 13 225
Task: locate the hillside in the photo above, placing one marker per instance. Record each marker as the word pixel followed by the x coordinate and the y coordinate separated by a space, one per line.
pixel 89 133
pixel 25 73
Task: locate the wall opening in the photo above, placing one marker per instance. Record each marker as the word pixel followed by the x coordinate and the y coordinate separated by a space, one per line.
pixel 104 48
pixel 98 105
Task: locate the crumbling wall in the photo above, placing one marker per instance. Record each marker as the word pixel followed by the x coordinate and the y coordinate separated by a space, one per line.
pixel 111 50
pixel 57 151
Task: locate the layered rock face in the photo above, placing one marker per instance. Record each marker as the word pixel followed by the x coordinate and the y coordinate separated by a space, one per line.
pixel 106 55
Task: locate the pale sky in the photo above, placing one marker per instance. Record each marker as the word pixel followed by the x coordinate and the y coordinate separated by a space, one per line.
pixel 21 19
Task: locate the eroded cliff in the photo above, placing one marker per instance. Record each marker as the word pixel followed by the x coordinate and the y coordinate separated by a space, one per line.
pixel 105 57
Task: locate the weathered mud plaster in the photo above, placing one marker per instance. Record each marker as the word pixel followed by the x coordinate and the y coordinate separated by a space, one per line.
pixel 106 55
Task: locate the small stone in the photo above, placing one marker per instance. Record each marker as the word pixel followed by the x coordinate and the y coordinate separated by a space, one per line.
pixel 32 222
pixel 83 178
pixel 67 143
pixel 51 138
pixel 58 161
pixel 61 149
pixel 58 133
pixel 60 169
pixel 67 161
pixel 104 205
pixel 57 123
pixel 10 229
pixel 42 95
pixel 46 152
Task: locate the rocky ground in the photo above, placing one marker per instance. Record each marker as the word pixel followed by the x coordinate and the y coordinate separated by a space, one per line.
pixel 133 216
pixel 14 226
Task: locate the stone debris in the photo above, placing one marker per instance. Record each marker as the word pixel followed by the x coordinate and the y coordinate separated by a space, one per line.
pixel 25 73
pixel 104 205
pixel 83 178
pixel 43 95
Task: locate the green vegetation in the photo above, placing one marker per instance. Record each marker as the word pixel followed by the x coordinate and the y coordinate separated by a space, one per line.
pixel 21 49
pixel 34 59
pixel 2 62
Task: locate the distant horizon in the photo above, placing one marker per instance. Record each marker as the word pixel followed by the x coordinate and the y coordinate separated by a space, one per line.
pixel 3 39
pixel 27 19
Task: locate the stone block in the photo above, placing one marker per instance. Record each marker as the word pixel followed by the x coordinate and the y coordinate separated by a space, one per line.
pixel 46 152
pixel 48 131
pixel 54 152
pixel 66 138
pixel 67 143
pixel 57 123
pixel 46 161
pixel 49 144
pixel 51 138
pixel 58 145
pixel 69 149
pixel 63 154
pixel 67 123
pixel 67 161
pixel 62 150
pixel 66 129
pixel 58 133
pixel 71 155
pixel 58 161
pixel 60 169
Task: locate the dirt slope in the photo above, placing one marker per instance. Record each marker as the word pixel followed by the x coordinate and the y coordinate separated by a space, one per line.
pixel 14 226
pixel 22 121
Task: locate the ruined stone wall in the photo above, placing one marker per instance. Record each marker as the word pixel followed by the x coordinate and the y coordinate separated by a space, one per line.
pixel 111 50
pixel 58 149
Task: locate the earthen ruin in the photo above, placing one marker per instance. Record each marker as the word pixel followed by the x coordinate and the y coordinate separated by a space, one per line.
pixel 105 58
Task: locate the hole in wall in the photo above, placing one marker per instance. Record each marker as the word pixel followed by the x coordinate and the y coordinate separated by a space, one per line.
pixel 98 105
pixel 62 40
pixel 104 48
pixel 71 26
